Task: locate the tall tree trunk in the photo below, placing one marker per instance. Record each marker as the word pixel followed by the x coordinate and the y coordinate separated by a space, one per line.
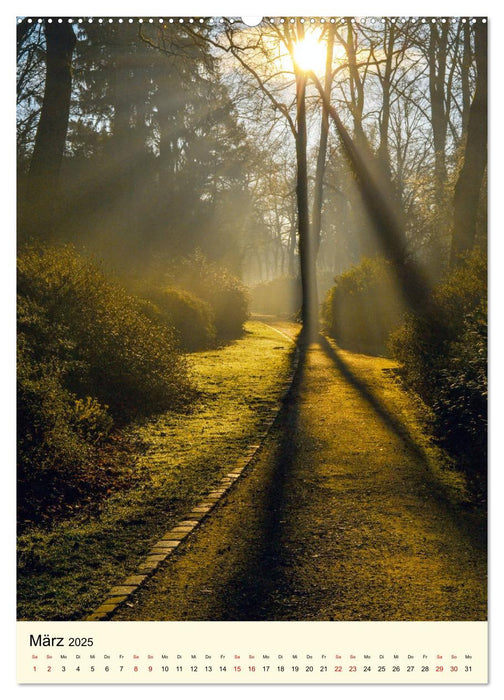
pixel 438 47
pixel 464 79
pixel 468 188
pixel 356 88
pixel 321 157
pixel 42 190
pixel 309 310
pixel 437 56
pixel 383 149
pixel 292 272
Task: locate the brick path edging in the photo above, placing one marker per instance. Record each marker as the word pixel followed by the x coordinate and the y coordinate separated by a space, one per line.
pixel 172 539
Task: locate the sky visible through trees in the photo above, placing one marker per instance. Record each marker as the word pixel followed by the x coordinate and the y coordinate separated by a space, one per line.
pixel 200 122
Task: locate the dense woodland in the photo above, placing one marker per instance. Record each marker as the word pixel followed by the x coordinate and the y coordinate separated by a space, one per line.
pixel 170 174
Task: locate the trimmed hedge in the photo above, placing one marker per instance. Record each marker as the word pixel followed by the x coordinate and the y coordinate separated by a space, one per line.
pixel 192 318
pixel 278 297
pixel 363 307
pixel 215 285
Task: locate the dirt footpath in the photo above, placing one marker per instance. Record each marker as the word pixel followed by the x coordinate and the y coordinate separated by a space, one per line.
pixel 339 518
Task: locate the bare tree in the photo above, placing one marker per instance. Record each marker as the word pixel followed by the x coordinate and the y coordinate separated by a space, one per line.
pixel 437 56
pixel 468 187
pixel 51 131
pixel 322 148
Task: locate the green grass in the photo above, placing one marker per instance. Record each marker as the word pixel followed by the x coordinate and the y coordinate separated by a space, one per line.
pixel 65 571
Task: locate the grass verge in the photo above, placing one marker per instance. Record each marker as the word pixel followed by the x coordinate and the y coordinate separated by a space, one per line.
pixel 65 570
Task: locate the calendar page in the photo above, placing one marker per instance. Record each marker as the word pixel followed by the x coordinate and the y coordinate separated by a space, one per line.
pixel 252 348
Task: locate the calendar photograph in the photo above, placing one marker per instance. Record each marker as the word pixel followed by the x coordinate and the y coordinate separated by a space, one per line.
pixel 251 347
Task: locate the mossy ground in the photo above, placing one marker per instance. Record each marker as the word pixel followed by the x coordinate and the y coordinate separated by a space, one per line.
pixel 65 570
pixel 349 513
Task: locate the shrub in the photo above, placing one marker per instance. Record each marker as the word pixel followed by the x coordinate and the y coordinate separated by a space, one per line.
pixel 84 345
pixel 212 283
pixel 282 296
pixel 278 297
pixel 192 318
pixel 53 424
pixel 461 401
pixel 60 441
pixel 363 307
pixel 106 345
pixel 446 363
pixel 423 344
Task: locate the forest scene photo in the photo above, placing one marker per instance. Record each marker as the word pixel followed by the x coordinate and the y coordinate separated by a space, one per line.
pixel 252 318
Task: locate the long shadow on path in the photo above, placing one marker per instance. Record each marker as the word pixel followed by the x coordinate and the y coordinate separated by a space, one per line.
pixel 391 421
pixel 253 593
pixel 471 525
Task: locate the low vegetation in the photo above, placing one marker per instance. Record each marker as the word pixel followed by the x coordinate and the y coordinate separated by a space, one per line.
pixel 446 364
pixel 215 285
pixel 65 566
pixel 363 307
pixel 281 296
pixel 192 318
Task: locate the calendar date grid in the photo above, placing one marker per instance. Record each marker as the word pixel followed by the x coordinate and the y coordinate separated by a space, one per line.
pixel 248 664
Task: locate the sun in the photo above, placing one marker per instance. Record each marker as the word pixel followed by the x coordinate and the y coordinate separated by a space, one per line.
pixel 310 54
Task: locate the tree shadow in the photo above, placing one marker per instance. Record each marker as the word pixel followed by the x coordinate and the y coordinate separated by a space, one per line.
pixel 470 521
pixel 252 592
pixel 391 421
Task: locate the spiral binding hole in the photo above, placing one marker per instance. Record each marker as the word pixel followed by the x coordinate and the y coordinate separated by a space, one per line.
pixel 271 20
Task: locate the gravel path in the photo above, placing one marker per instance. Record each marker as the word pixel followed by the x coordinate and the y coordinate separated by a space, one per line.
pixel 339 517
